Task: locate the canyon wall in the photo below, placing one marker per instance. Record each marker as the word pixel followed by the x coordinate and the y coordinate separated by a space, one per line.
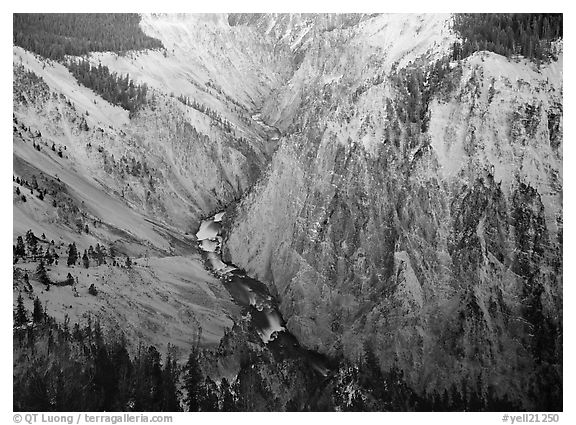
pixel 414 209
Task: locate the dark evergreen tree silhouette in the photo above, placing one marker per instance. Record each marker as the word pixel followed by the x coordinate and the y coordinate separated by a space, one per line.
pixel 85 260
pixel 48 257
pixel 228 402
pixel 42 275
pixel 38 312
pixel 170 395
pixel 193 382
pixel 72 254
pixel 208 396
pixel 92 290
pixel 100 254
pixel 32 242
pixel 20 314
pixel 20 250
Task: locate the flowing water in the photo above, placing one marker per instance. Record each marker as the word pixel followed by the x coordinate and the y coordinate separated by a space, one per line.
pixel 272 133
pixel 251 294
pixel 254 298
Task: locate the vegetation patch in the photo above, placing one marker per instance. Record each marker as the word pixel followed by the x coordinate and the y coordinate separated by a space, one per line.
pixel 54 35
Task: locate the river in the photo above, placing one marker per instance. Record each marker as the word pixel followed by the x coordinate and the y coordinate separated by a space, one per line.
pixel 254 299
pixel 272 133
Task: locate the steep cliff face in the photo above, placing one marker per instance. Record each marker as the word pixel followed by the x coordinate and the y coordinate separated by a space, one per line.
pixel 414 210
pixel 172 160
pixel 95 177
pixel 137 184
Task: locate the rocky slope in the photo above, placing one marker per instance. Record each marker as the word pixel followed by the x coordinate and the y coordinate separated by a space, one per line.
pixel 138 184
pixel 416 211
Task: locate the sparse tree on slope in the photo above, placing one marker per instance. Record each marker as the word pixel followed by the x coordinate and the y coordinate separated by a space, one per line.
pixel 20 315
pixel 100 253
pixel 43 275
pixel 85 260
pixel 193 382
pixel 20 250
pixel 72 254
pixel 38 312
pixel 48 257
pixel 32 242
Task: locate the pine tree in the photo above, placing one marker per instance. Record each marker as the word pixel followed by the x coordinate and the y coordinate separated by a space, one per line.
pixel 20 250
pixel 208 400
pixel 48 257
pixel 104 372
pixel 85 260
pixel 123 365
pixel 32 242
pixel 69 280
pixel 170 401
pixel 20 315
pixel 42 274
pixel 77 332
pixel 92 290
pixel 227 397
pixel 72 254
pixel 100 253
pixel 193 381
pixel 38 312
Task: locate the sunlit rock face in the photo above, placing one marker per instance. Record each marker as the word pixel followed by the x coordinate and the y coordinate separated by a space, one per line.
pixel 141 182
pixel 425 228
pixel 404 210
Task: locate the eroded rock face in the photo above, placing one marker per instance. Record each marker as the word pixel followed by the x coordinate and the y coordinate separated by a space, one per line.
pixel 171 161
pixel 426 227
